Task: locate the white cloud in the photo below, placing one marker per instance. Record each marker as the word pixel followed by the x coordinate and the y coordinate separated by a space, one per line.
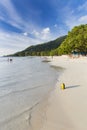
pixel 12 17
pixel 46 31
pixel 35 33
pixel 83 6
pixel 71 18
pixel 43 34
pixel 46 34
pixel 13 42
pixel 75 17
pixel 6 51
pixel 25 33
pixel 83 19
pixel 75 21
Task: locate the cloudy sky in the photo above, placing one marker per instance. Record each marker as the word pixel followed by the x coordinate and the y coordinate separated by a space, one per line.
pixel 29 22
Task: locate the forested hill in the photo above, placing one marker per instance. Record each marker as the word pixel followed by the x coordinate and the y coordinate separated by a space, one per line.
pixel 76 41
pixel 41 49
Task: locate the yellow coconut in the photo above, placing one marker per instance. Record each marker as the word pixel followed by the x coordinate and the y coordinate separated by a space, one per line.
pixel 62 86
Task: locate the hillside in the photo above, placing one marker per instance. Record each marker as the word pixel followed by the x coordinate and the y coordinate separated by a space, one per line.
pixel 41 49
pixel 76 41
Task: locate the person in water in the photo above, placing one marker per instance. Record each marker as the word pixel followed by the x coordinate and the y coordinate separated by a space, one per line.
pixel 10 59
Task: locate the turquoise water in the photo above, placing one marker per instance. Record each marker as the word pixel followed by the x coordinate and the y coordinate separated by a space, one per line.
pixel 23 83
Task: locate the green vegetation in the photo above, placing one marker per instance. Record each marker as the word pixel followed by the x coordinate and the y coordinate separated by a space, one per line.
pixel 44 49
pixel 75 41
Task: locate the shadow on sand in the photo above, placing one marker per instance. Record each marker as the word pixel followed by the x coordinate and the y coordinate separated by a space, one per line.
pixel 74 86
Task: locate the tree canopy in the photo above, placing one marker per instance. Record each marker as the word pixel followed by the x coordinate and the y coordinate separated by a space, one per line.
pixel 75 40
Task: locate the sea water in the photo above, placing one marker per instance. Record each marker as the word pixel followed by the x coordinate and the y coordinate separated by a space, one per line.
pixel 23 84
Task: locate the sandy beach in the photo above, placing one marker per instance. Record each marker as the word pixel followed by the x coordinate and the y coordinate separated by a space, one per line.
pixel 67 109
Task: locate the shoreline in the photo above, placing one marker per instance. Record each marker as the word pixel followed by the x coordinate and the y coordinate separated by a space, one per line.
pixel 37 116
pixel 72 99
pixel 66 109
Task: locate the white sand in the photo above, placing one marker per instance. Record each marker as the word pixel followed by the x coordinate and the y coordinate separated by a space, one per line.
pixel 67 109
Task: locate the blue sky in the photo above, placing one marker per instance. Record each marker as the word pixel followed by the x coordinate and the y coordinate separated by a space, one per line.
pixel 29 22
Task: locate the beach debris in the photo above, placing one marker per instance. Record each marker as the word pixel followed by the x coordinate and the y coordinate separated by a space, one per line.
pixel 62 86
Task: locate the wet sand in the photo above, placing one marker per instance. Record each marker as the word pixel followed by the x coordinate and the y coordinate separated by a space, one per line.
pixel 66 109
